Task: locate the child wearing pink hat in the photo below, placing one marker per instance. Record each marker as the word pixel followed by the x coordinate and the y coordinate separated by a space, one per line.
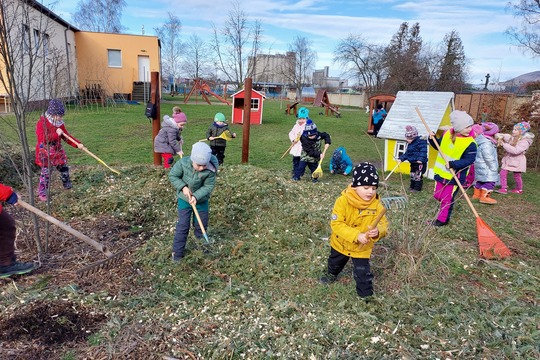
pixel 168 141
pixel 515 146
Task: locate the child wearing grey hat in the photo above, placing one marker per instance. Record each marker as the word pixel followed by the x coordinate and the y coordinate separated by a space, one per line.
pixel 416 155
pixel 354 232
pixel 194 179
pixel 459 147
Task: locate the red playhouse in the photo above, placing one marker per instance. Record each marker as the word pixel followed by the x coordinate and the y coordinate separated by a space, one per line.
pixel 238 100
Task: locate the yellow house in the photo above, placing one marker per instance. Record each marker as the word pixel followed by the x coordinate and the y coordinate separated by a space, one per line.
pixel 116 64
pixel 435 108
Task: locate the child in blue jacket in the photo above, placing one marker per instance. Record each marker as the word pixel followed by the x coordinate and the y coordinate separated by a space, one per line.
pixel 341 162
pixel 416 154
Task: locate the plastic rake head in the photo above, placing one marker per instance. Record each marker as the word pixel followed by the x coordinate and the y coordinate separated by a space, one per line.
pixel 394 202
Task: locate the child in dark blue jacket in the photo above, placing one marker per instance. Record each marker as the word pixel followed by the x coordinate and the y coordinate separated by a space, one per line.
pixel 416 154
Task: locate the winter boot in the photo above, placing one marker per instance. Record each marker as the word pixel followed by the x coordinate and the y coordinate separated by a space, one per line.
pixel 485 197
pixel 64 175
pixel 477 194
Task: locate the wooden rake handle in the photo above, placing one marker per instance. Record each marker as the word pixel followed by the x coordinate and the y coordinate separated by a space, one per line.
pixel 446 160
pixel 96 245
pixel 91 154
pixel 196 212
pixel 391 172
pixel 375 222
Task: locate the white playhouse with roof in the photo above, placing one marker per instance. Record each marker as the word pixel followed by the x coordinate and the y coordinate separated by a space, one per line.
pixel 435 107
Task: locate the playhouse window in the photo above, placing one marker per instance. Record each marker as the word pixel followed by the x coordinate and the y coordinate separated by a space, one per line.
pixel 401 147
pixel 254 104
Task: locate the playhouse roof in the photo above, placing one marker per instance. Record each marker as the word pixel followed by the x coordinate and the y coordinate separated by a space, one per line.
pixel 432 104
pixel 252 90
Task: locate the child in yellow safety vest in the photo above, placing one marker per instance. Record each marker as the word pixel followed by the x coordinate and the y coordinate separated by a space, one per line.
pixel 459 147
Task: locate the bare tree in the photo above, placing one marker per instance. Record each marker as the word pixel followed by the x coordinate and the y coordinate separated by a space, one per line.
pixel 527 35
pixel 197 58
pixel 235 43
pixel 100 15
pixel 31 69
pixel 171 45
pixel 298 69
pixel 362 61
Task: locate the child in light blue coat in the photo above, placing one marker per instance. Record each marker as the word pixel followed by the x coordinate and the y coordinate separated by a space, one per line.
pixel 486 165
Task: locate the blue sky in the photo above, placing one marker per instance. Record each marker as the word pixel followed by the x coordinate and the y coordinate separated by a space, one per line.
pixel 480 23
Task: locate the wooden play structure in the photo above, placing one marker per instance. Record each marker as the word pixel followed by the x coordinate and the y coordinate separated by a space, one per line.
pixel 292 108
pixel 322 100
pixel 203 88
pixel 386 100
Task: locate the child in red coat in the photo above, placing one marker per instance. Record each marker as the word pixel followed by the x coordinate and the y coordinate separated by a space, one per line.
pixel 8 263
pixel 49 151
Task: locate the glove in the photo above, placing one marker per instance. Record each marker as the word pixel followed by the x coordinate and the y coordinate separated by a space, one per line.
pixel 59 132
pixel 13 199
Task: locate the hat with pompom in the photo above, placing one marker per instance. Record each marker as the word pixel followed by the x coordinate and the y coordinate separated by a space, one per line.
pixel 56 107
pixel 310 128
pixel 523 127
pixel 365 174
pixel 410 132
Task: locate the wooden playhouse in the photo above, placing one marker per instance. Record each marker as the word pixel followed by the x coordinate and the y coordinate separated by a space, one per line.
pixel 435 108
pixel 238 101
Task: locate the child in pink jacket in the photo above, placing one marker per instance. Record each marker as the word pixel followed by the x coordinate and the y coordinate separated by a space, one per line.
pixel 515 145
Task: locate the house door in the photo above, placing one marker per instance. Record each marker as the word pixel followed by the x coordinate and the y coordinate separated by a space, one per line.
pixel 144 68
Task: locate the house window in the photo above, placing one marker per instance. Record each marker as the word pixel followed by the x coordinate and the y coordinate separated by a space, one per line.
pixel 26 39
pixel 254 104
pixel 37 43
pixel 46 44
pixel 401 147
pixel 115 58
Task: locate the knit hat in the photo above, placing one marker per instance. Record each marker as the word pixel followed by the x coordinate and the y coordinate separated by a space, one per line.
pixel 220 117
pixel 476 130
pixel 523 127
pixel 310 128
pixel 410 132
pixel 460 120
pixel 303 113
pixel 365 174
pixel 180 118
pixel 201 153
pixel 56 107
pixel 490 128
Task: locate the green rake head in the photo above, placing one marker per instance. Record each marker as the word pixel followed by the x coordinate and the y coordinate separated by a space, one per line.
pixel 394 202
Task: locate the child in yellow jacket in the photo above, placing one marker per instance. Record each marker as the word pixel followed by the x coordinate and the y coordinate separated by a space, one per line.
pixel 353 214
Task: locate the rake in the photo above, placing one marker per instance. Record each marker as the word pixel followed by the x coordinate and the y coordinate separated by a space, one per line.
pixel 290 147
pixel 489 244
pixel 205 235
pixel 91 154
pixel 226 135
pixel 112 259
pixel 318 173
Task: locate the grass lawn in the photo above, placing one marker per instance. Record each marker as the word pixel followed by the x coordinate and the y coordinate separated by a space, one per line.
pixel 254 293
